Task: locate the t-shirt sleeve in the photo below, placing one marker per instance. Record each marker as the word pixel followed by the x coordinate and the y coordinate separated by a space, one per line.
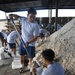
pixel 36 30
pixel 21 18
pixel 45 72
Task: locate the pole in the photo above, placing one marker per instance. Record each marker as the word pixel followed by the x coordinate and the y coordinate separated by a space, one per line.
pixel 56 15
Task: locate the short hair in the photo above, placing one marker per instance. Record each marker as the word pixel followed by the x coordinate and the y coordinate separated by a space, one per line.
pixel 41 35
pixel 48 54
pixel 32 11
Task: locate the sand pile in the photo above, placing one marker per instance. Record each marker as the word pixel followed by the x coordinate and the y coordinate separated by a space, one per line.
pixel 63 44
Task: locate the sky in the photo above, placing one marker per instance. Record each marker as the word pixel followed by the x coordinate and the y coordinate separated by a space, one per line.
pixel 43 13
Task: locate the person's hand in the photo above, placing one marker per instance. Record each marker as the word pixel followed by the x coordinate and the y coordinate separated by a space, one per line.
pixel 10 15
pixel 26 44
pixel 33 71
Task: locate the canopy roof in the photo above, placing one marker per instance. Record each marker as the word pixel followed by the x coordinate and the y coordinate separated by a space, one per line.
pixel 23 5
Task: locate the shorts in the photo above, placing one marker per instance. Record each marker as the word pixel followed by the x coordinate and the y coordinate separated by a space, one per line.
pixel 12 45
pixel 1 36
pixel 28 51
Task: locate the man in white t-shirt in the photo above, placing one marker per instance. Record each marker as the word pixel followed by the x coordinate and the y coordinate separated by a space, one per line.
pixel 30 33
pixel 51 67
pixel 11 40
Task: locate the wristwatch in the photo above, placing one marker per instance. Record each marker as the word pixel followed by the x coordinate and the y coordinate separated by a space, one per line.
pixel 28 43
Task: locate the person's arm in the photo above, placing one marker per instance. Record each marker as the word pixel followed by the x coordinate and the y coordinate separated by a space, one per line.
pixel 37 71
pixel 14 16
pixel 32 40
pixel 17 42
pixel 34 71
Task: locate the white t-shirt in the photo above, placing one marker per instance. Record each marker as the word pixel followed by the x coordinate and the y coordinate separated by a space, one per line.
pixel 12 37
pixel 44 31
pixel 53 69
pixel 29 30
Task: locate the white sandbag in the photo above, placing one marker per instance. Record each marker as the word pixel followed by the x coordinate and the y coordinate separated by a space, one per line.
pixel 2 53
pixel 16 63
pixel 0 44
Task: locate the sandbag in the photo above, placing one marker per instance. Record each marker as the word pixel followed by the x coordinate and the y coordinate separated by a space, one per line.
pixel 16 63
pixel 2 53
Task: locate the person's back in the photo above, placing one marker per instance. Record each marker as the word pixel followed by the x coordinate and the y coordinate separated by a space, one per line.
pixel 12 36
pixel 11 40
pixel 53 69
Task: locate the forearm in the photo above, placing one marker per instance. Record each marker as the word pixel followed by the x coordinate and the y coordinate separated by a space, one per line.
pixel 33 39
pixel 13 16
pixel 30 41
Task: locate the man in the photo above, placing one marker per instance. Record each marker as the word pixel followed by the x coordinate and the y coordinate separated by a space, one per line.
pixel 30 33
pixel 51 67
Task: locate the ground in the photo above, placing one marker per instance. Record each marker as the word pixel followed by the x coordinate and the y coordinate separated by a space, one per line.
pixel 6 68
